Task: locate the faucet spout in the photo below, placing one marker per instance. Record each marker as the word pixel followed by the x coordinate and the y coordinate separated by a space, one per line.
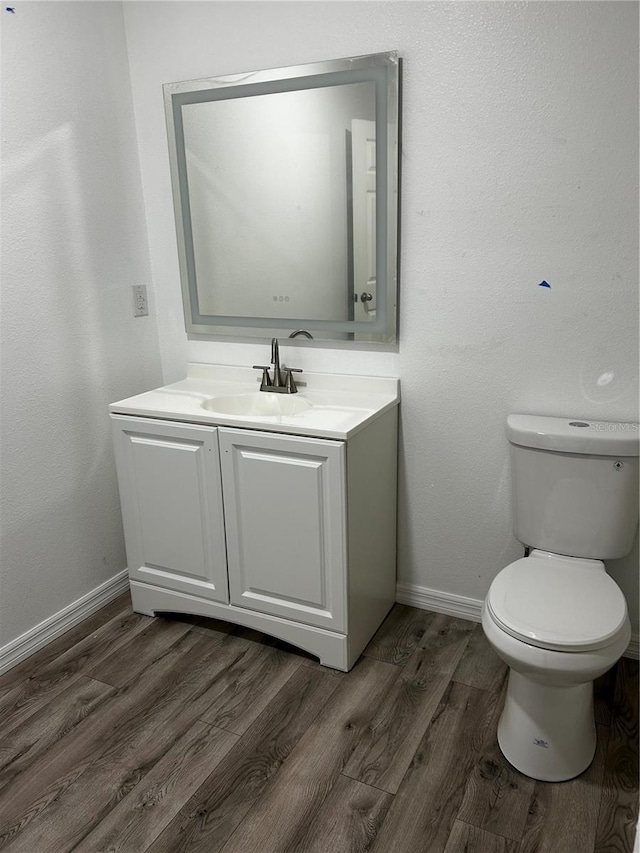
pixel 275 361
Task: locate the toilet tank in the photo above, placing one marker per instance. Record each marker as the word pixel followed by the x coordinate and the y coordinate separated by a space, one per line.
pixel 575 485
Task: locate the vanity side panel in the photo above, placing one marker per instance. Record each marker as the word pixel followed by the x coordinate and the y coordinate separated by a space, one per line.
pixel 372 475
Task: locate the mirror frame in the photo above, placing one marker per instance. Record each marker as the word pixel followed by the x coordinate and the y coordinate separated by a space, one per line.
pixel 381 69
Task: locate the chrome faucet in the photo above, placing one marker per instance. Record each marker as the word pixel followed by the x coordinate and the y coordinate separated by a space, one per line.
pixel 278 384
pixel 301 332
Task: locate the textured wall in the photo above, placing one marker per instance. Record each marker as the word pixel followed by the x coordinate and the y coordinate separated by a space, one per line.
pixel 519 165
pixel 74 241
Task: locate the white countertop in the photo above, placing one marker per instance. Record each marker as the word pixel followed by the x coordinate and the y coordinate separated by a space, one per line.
pixel 340 405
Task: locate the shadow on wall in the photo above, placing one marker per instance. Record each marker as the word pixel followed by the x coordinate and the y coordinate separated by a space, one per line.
pixel 67 350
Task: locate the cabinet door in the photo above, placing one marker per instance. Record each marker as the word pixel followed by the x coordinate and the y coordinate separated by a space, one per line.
pixel 284 502
pixel 169 478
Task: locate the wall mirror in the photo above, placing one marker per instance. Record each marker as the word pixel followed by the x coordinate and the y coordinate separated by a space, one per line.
pixel 285 186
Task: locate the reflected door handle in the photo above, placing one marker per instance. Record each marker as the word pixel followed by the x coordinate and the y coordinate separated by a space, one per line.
pixel 365 297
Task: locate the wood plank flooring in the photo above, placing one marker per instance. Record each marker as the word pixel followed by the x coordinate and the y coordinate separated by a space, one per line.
pixel 135 734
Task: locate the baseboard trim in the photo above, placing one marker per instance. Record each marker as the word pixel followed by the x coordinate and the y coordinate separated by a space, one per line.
pixel 466 608
pixel 35 638
pixel 439 602
pixel 410 594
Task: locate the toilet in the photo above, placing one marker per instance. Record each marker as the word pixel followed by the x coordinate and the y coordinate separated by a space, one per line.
pixel 556 617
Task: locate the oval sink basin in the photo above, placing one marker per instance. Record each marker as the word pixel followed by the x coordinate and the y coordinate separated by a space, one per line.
pixel 263 404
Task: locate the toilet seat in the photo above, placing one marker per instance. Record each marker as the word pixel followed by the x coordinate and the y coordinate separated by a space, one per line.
pixel 558 603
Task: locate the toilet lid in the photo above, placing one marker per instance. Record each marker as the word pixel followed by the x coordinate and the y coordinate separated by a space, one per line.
pixel 559 603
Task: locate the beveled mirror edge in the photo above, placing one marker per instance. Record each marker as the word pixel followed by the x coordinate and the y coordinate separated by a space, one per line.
pixel 264 326
pixel 388 58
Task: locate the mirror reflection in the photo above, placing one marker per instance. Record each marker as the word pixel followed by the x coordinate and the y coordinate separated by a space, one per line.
pixel 286 198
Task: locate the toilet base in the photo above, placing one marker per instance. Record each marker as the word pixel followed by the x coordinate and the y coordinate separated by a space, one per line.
pixel 547 732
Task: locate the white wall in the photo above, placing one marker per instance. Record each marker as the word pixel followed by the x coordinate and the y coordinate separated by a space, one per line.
pixel 74 241
pixel 520 148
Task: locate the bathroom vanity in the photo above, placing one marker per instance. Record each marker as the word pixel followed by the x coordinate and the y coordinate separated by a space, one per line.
pixel 275 512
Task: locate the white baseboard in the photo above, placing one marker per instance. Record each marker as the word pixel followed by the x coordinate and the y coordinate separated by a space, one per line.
pixel 35 638
pixel 439 602
pixel 411 594
pixel 465 608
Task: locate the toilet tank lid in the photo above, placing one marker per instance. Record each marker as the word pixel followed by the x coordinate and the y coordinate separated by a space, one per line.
pixel 574 435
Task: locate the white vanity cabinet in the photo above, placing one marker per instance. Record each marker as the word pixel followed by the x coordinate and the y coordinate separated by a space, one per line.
pixel 291 534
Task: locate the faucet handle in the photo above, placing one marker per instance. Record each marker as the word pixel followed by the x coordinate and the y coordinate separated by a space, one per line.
pixel 266 379
pixel 289 382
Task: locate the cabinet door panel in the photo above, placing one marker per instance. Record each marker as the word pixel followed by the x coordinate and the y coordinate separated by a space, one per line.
pixel 284 501
pixel 169 478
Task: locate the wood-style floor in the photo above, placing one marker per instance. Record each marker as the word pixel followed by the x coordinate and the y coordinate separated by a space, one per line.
pixel 136 734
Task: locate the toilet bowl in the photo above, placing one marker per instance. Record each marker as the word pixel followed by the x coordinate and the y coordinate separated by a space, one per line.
pixel 558 623
pixel 556 617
